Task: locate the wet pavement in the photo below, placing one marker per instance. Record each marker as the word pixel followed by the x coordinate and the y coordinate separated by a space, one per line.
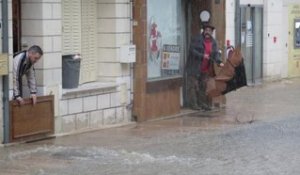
pixel 257 134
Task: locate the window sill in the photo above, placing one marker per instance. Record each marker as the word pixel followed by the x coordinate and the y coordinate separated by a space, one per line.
pixel 89 89
pixel 164 78
pixel 163 84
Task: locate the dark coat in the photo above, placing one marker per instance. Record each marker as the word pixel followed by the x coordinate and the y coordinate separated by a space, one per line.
pixel 196 53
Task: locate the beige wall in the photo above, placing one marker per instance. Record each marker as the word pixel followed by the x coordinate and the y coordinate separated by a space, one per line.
pixel 293 69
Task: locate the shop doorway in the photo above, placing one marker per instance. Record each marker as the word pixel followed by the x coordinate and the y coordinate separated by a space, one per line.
pixel 28 122
pixel 157 96
pixel 252 42
pixel 193 8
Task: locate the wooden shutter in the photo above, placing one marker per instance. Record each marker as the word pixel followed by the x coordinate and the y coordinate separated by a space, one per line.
pixel 71 26
pixel 88 41
pixel 80 35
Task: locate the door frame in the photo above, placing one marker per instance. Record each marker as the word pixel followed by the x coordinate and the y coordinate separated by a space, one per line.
pixel 253 80
pixel 150 97
pixel 16 25
pixel 218 19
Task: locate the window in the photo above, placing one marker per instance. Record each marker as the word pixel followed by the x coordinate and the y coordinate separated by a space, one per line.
pixel 297 34
pixel 165 38
pixel 80 35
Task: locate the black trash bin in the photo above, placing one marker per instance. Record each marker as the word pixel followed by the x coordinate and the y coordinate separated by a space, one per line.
pixel 70 71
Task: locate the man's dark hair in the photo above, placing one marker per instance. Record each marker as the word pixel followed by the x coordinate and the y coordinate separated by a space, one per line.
pixel 36 49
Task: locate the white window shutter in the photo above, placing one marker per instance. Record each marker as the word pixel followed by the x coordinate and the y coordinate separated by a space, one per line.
pixel 88 71
pixel 71 26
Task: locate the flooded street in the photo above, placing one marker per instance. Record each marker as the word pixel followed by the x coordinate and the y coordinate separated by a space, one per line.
pixel 257 134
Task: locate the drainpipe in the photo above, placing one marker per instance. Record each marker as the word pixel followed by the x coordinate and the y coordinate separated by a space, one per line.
pixel 5 78
pixel 237 20
pixel 131 64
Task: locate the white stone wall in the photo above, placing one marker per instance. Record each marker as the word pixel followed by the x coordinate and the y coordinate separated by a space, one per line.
pixel 41 25
pixel 105 106
pixel 114 30
pixel 84 111
pixel 10 47
pixel 230 23
pixel 273 52
pixel 285 37
pixel 274 61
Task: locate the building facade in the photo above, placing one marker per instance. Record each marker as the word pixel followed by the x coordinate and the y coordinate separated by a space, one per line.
pixel 266 31
pixel 162 34
pixel 97 30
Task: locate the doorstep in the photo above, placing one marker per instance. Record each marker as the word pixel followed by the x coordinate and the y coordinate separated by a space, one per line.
pixel 183 112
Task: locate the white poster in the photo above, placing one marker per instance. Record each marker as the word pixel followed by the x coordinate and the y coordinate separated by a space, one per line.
pixel 171 57
pixel 163 29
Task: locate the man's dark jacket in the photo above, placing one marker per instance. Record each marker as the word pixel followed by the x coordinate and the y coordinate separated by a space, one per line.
pixel 196 54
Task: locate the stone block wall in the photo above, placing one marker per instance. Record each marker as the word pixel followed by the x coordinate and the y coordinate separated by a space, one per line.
pixel 115 30
pixel 273 51
pixel 82 111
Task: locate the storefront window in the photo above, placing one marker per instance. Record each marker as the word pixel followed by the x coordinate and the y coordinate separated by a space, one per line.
pixel 165 39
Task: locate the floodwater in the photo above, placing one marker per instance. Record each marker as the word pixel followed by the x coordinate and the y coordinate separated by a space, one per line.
pixel 257 134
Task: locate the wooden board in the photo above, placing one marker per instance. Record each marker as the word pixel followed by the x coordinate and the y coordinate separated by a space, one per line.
pixel 162 103
pixel 30 122
pixel 3 64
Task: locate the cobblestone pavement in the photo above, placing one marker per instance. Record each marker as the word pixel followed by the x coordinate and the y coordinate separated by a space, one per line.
pixel 257 134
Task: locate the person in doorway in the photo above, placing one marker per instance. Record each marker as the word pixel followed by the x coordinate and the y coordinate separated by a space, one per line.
pixel 23 65
pixel 203 53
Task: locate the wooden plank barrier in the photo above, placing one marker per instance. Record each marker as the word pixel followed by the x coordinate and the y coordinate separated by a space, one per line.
pixel 32 122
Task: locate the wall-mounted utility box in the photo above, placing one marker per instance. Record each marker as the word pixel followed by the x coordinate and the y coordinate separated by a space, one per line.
pixel 128 54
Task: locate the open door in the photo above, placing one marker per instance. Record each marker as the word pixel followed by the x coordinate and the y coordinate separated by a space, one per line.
pixel 16 15
pixel 28 122
pixel 251 32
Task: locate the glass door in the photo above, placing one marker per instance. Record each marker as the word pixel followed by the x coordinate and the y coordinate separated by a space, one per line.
pixel 252 42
